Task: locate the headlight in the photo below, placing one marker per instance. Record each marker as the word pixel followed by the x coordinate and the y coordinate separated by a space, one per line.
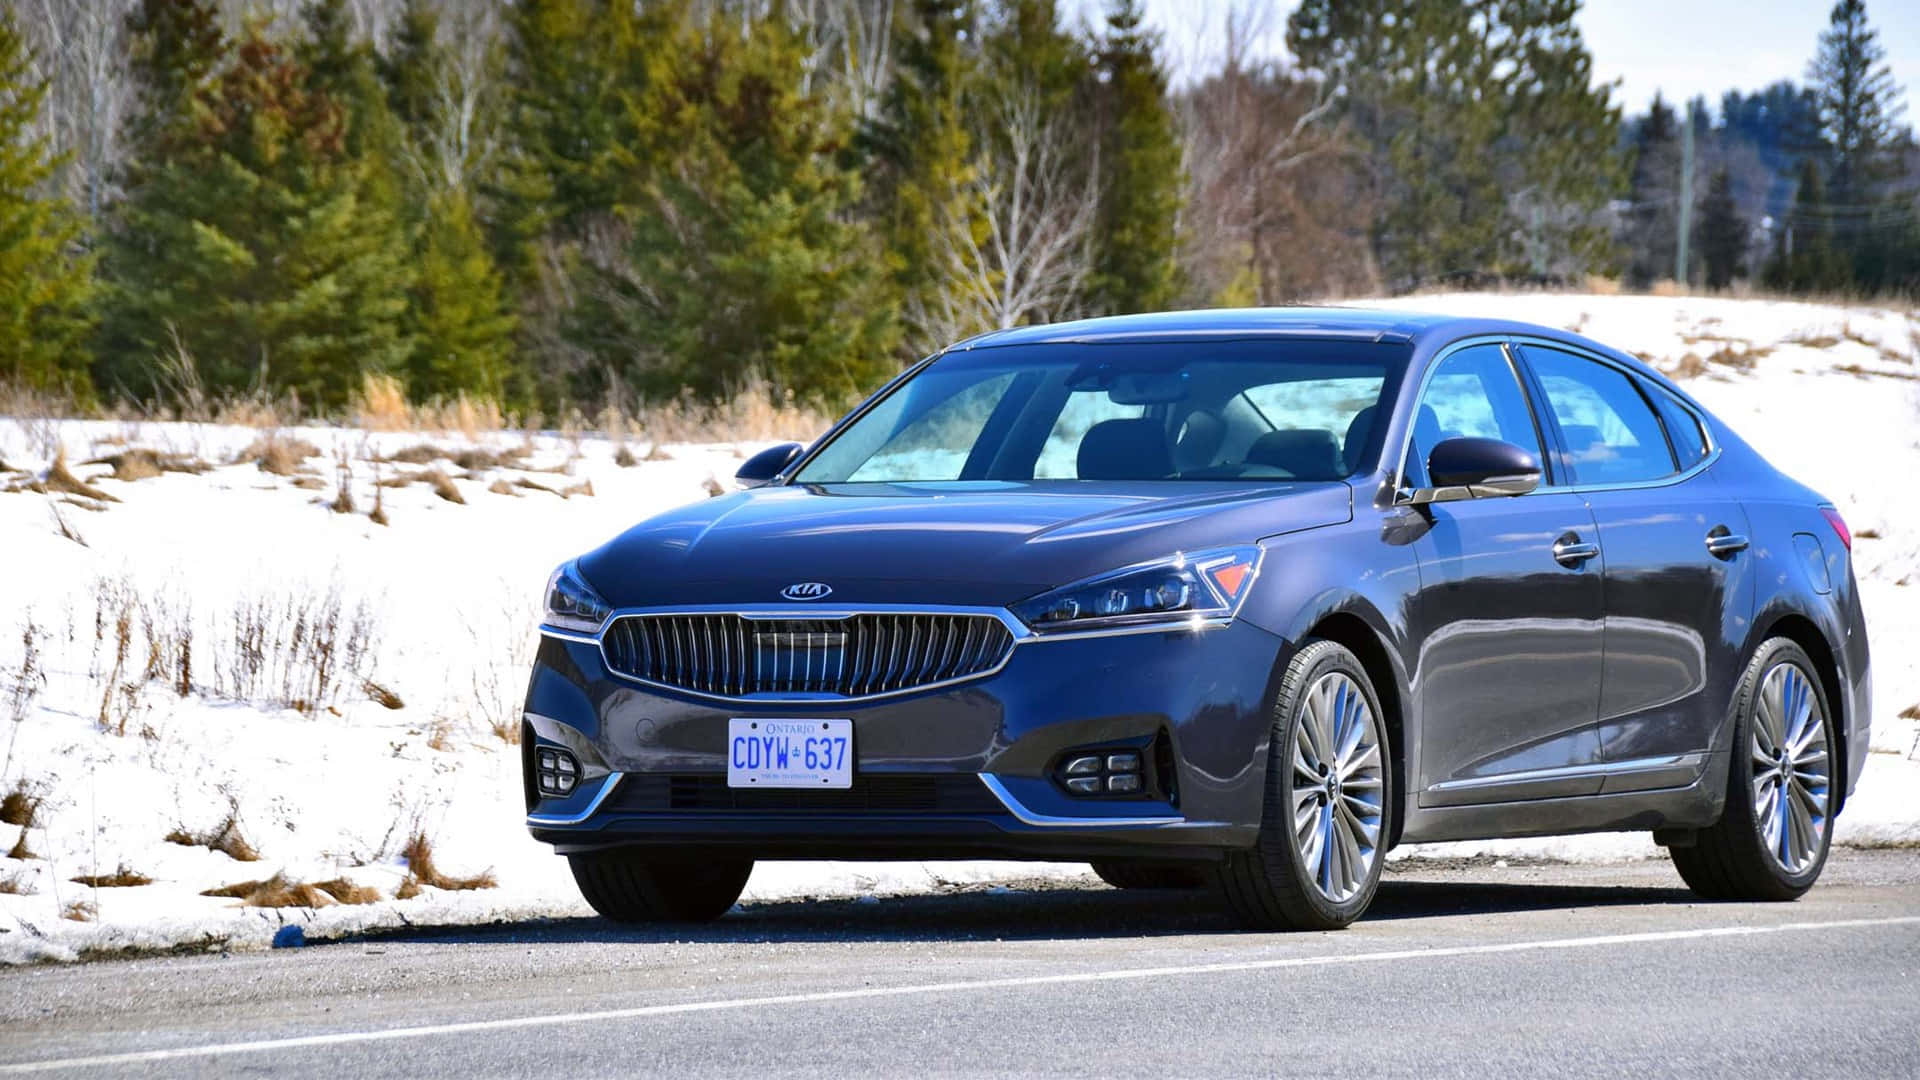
pixel 571 602
pixel 1203 586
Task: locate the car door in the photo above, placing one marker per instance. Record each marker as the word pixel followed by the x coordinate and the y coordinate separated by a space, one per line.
pixel 1508 608
pixel 1675 570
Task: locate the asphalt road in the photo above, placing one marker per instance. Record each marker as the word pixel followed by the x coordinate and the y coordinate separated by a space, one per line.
pixel 1469 970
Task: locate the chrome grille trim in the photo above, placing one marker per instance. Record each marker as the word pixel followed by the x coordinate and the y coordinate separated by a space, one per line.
pixel 802 653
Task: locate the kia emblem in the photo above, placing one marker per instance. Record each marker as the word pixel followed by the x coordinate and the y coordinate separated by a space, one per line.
pixel 806 590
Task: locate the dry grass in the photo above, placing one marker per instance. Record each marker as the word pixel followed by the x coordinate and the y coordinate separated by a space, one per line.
pixel 224 837
pixel 623 457
pixel 16 883
pixel 1600 286
pixel 79 911
pixel 385 697
pixel 501 487
pixel 1668 287
pixel 1856 369
pixel 278 892
pixel 20 851
pixel 443 486
pixel 279 454
pixel 61 479
pixel 121 878
pixel 20 806
pixel 138 463
pixel 1911 712
pixel 1811 340
pixel 1689 366
pixel 422 871
pixel 381 405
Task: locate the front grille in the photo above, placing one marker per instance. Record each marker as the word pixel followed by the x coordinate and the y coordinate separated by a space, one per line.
pixel 856 656
pixel 882 793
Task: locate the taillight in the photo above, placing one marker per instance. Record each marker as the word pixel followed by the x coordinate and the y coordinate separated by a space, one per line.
pixel 1839 526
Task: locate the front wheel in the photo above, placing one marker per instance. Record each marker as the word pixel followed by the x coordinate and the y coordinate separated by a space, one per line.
pixel 632 887
pixel 1771 840
pixel 1317 862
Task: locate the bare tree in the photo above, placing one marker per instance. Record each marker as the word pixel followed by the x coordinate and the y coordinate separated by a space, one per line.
pixel 1020 252
pixel 459 137
pixel 80 50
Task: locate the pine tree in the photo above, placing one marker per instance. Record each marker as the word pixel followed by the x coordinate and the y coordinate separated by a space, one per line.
pixel 1135 265
pixel 1860 105
pixel 741 260
pixel 45 282
pixel 1490 151
pixel 1722 233
pixel 461 328
pixel 1653 195
pixel 1804 258
pixel 249 244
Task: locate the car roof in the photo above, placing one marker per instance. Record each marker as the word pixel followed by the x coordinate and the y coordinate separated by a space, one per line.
pixel 1349 323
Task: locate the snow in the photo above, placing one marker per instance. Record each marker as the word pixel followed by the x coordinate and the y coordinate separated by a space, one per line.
pixel 1827 392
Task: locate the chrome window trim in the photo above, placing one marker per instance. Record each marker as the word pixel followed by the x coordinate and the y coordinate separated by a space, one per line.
pixel 1029 817
pixel 1507 342
pixel 606 789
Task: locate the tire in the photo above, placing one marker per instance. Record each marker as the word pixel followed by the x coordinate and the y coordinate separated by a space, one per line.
pixel 1127 874
pixel 630 887
pixel 1282 882
pixel 1734 859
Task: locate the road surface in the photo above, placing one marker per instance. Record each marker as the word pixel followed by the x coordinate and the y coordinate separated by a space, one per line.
pixel 1467 970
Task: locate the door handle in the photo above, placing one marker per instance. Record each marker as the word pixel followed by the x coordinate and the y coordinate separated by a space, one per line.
pixel 1722 544
pixel 1571 551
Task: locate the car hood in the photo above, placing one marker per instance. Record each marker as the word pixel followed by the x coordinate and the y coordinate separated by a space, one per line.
pixel 971 543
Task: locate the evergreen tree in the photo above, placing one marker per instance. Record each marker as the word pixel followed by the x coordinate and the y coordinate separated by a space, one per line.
pixel 1490 150
pixel 922 152
pixel 1653 195
pixel 740 258
pixel 1860 105
pixel 461 328
pixel 45 283
pixel 1804 258
pixel 250 246
pixel 1135 265
pixel 1722 234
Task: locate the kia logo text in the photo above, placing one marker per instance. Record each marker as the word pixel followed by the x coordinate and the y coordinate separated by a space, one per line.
pixel 806 590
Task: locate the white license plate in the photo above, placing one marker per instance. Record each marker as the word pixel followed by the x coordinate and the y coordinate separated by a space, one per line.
pixel 789 753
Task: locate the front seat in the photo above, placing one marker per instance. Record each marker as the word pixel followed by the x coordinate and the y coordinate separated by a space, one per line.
pixel 1125 450
pixel 1305 453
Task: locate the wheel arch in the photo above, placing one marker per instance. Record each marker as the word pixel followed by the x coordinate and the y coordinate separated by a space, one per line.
pixel 1347 627
pixel 1804 632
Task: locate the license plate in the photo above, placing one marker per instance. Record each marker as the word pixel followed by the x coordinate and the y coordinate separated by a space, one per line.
pixel 789 753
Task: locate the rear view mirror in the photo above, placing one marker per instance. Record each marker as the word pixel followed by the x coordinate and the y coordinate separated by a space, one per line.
pixel 762 467
pixel 1472 468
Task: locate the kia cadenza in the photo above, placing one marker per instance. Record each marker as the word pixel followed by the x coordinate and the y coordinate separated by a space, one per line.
pixel 1230 600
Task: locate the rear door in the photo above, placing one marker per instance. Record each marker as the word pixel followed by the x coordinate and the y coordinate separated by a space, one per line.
pixel 1509 610
pixel 1673 545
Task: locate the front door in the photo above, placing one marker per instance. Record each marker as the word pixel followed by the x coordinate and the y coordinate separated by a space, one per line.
pixel 1509 608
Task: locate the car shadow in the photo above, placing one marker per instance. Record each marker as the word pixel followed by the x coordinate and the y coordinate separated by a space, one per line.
pixel 1048 913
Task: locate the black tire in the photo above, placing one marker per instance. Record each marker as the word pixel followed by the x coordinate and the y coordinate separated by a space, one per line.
pixel 632 887
pixel 1270 886
pixel 1729 860
pixel 1128 874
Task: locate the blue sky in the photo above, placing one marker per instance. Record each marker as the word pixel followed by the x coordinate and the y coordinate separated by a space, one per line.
pixel 1681 47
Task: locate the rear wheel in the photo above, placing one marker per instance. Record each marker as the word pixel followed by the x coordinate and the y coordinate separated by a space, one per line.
pixel 1317 862
pixel 1771 840
pixel 1151 875
pixel 631 887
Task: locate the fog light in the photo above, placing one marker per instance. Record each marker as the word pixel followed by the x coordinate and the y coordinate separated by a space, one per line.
pixel 556 771
pixel 1109 771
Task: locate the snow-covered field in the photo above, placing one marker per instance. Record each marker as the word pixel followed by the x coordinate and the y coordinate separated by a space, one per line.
pixel 444 595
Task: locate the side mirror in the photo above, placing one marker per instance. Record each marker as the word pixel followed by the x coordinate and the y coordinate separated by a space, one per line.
pixel 762 467
pixel 1468 468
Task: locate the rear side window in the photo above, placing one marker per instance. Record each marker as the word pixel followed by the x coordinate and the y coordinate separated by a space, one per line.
pixel 1609 430
pixel 1683 428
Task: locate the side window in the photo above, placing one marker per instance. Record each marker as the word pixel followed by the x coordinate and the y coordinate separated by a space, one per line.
pixel 1060 458
pixel 1611 434
pixel 1474 392
pixel 1683 428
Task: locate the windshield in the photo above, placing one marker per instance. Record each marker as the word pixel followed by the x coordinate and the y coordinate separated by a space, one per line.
pixel 1229 410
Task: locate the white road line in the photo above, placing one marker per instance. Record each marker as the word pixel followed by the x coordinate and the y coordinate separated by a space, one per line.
pixel 144 1057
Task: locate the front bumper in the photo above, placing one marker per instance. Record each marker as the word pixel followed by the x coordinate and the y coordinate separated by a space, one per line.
pixel 964 771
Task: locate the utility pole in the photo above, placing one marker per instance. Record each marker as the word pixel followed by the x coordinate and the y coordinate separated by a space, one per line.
pixel 1685 217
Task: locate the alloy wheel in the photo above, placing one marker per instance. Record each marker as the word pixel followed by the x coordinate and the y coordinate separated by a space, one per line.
pixel 1338 788
pixel 1791 771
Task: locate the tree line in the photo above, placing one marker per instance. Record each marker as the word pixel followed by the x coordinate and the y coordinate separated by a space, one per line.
pixel 557 203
